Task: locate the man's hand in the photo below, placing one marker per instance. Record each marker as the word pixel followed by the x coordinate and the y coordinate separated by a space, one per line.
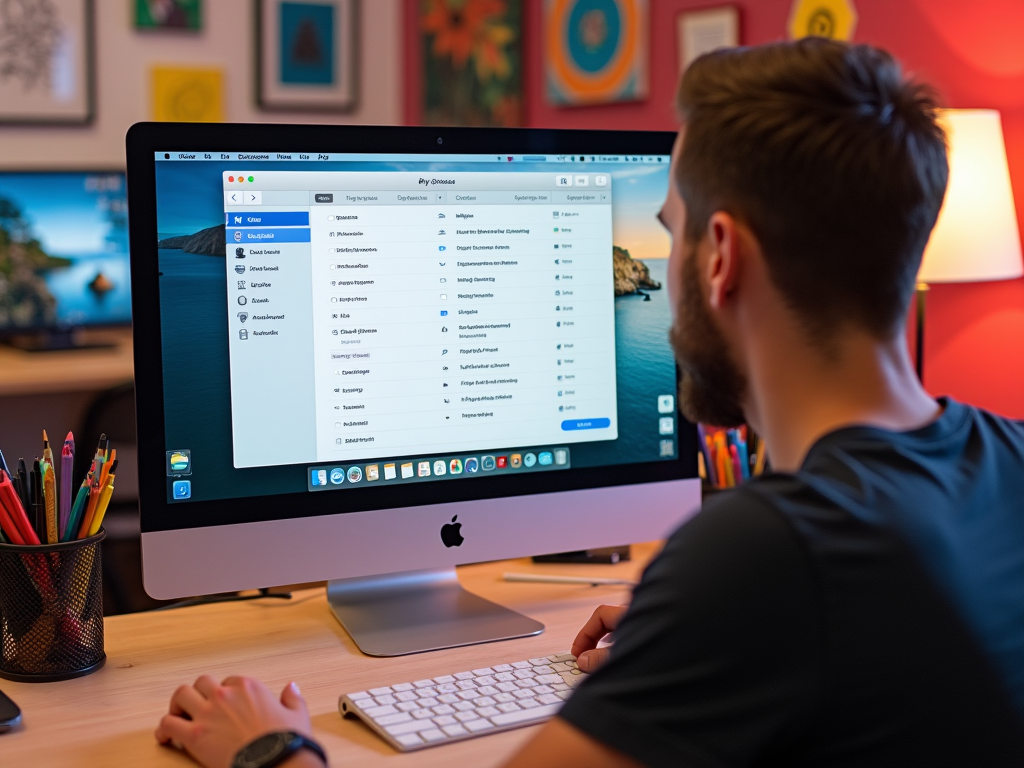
pixel 588 656
pixel 212 722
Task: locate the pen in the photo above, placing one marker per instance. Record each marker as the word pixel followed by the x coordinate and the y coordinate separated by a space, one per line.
pixel 67 469
pixel 8 526
pixel 16 512
pixel 76 511
pixel 23 488
pixel 105 494
pixel 90 507
pixel 38 505
pixel 541 579
pixel 3 463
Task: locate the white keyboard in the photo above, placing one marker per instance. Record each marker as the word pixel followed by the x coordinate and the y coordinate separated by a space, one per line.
pixel 466 704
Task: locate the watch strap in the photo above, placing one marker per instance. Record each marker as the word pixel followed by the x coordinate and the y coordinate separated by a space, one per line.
pixel 293 742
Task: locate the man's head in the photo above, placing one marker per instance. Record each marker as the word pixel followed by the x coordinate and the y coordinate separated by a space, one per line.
pixel 834 167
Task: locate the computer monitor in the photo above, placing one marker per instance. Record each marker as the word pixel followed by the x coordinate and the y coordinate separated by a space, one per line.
pixel 63 255
pixel 368 355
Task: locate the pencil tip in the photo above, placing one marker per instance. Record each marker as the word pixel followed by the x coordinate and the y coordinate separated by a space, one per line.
pixel 69 438
pixel 45 438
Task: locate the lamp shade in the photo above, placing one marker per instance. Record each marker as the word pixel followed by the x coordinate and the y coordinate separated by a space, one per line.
pixel 976 237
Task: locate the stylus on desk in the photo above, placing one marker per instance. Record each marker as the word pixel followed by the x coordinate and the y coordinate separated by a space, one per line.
pixel 541 579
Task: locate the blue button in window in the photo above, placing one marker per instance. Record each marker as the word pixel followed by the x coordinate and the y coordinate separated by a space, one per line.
pixel 571 425
pixel 182 489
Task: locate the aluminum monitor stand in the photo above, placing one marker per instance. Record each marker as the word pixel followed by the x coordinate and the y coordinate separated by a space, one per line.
pixel 395 614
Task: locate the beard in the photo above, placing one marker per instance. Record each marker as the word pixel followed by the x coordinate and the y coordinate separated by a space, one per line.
pixel 711 387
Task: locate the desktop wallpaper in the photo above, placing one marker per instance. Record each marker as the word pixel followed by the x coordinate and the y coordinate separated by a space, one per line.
pixel 63 250
pixel 190 219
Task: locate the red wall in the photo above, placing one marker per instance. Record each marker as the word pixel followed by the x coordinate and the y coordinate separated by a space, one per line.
pixel 972 51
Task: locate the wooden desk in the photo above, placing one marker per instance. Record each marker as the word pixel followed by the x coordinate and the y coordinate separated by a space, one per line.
pixel 36 373
pixel 107 719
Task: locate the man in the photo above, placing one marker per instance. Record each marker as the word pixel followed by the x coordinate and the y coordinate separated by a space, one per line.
pixel 864 603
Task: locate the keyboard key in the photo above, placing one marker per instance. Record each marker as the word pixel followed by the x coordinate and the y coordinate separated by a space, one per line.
pixel 444 709
pixel 412 727
pixel 406 696
pixel 465 717
pixel 504 697
pixel 376 712
pixel 398 717
pixel 548 679
pixel 464 706
pixel 408 740
pixel 548 698
pixel 430 702
pixel 427 692
pixel 560 686
pixel 475 726
pixel 448 698
pixel 563 695
pixel 463 675
pixel 523 693
pixel 483 701
pixel 486 680
pixel 402 687
pixel 502 667
pixel 537 662
pixel 523 674
pixel 424 683
pixel 507 687
pixel 465 685
pixel 382 700
pixel 468 695
pixel 359 695
pixel 529 703
pixel 482 672
pixel 444 679
pixel 380 691
pixel 504 677
pixel 490 690
pixel 528 683
pixel 431 735
pixel 450 688
pixel 488 711
pixel 407 706
pixel 524 715
pixel 543 689
pixel 455 730
pixel 543 669
pixel 444 720
pixel 509 707
pixel 521 665
pixel 560 667
pixel 422 714
pixel 562 657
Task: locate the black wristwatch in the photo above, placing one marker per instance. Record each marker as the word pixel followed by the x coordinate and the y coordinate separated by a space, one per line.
pixel 274 748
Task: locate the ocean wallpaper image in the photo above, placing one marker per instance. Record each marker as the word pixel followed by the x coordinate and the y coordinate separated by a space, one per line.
pixel 63 250
pixel 194 320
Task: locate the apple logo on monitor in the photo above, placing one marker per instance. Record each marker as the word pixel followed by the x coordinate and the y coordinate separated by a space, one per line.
pixel 450 534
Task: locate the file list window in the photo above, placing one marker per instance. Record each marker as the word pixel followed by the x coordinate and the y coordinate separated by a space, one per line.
pixel 391 314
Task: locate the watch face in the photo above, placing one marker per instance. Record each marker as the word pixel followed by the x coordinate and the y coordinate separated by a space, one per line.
pixel 264 749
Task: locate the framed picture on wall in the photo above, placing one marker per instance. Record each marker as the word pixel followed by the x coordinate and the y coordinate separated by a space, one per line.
pixel 306 55
pixel 46 62
pixel 701 32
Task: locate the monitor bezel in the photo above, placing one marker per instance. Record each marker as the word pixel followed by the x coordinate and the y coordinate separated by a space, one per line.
pixel 144 140
pixel 8 332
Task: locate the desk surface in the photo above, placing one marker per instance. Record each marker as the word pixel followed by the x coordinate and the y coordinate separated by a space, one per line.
pixel 35 373
pixel 107 719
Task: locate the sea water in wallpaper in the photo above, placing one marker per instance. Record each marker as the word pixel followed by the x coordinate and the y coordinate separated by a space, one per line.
pixel 194 320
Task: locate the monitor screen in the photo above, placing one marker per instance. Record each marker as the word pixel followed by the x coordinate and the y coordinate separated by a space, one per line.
pixel 63 250
pixel 390 330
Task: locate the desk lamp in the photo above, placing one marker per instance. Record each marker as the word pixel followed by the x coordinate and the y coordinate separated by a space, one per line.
pixel 976 236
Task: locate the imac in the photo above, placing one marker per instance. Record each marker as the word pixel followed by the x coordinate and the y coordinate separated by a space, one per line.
pixel 368 355
pixel 63 256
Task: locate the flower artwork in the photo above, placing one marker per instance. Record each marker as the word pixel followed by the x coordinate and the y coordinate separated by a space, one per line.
pixel 472 64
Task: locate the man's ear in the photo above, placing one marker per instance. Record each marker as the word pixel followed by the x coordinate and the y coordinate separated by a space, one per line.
pixel 723 264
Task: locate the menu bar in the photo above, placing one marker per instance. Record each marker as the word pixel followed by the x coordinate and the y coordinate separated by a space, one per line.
pixel 380 157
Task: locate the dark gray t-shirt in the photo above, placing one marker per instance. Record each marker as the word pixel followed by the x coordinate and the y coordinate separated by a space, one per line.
pixel 865 611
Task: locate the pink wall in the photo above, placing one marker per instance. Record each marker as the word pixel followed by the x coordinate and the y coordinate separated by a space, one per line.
pixel 972 51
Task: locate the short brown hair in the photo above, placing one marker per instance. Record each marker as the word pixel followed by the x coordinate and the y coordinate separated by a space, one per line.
pixel 832 158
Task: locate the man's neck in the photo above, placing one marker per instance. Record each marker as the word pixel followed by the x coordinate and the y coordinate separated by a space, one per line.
pixel 797 395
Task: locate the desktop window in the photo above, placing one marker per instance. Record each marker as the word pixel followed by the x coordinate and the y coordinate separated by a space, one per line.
pixel 334 322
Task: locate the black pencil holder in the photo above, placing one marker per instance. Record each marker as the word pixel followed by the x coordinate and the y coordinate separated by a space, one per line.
pixel 51 610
